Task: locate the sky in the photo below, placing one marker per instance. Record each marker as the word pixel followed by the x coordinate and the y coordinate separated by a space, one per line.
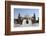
pixel 24 11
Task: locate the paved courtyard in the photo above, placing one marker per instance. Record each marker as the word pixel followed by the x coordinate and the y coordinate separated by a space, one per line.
pixel 27 25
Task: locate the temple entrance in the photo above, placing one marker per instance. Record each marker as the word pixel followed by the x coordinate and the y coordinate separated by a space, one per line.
pixel 25 21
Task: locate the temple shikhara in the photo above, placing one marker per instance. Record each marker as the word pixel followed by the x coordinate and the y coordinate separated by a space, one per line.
pixel 26 19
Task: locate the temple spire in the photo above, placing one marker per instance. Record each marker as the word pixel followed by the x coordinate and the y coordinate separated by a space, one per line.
pixel 19 16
